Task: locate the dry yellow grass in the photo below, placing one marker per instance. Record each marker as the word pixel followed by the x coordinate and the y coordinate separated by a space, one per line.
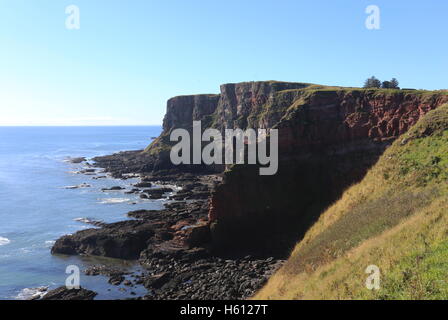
pixel 344 278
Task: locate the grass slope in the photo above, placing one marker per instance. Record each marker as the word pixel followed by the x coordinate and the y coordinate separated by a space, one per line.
pixel 396 219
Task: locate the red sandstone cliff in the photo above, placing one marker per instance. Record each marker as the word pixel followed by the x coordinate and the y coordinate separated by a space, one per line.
pixel 328 138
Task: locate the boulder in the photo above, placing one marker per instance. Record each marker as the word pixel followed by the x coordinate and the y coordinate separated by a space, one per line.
pixel 198 235
pixel 157 281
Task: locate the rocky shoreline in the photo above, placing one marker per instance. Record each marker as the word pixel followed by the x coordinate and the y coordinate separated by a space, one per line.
pixel 172 245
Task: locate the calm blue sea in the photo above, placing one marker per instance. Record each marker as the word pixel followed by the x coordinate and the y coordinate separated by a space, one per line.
pixel 36 209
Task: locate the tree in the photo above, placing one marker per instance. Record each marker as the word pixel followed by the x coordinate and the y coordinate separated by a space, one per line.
pixel 372 82
pixel 386 85
pixel 392 84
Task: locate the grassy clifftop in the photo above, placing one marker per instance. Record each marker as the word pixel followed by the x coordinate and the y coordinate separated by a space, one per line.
pixel 396 218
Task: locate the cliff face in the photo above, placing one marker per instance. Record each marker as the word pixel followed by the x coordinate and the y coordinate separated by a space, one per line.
pixel 183 110
pixel 241 104
pixel 237 106
pixel 328 139
pixel 346 116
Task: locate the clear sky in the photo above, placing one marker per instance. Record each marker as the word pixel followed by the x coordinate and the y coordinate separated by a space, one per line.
pixel 129 57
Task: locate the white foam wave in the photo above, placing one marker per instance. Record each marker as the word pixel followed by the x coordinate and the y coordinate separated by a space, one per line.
pixel 82 185
pixel 113 200
pixel 32 293
pixel 49 243
pixel 4 241
pixel 89 221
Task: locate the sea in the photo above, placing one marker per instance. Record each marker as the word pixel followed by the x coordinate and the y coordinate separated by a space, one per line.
pixel 39 203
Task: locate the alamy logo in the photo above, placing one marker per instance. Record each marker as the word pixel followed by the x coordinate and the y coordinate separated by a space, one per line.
pixel 73 280
pixel 373 280
pixel 224 151
pixel 72 22
pixel 373 20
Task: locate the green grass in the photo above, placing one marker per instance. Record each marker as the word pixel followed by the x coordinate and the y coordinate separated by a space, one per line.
pixel 364 221
pixel 423 274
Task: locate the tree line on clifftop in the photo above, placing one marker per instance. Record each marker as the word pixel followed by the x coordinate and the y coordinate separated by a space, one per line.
pixel 373 82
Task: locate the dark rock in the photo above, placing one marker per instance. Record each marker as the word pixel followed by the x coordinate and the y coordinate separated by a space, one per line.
pixel 115 188
pixel 198 195
pixel 116 279
pixel 77 160
pixel 123 240
pixel 62 293
pixel 198 235
pixel 134 190
pixel 194 254
pixel 99 177
pixel 175 205
pixel 93 222
pixel 157 281
pixel 164 235
pixel 156 196
pixel 143 185
pixel 158 191
pixel 142 214
pixel 191 186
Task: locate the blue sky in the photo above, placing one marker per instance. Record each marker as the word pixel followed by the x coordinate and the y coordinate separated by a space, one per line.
pixel 129 57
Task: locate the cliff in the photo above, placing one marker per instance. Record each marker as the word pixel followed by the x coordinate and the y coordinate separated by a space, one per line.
pixel 238 105
pixel 394 221
pixel 328 138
